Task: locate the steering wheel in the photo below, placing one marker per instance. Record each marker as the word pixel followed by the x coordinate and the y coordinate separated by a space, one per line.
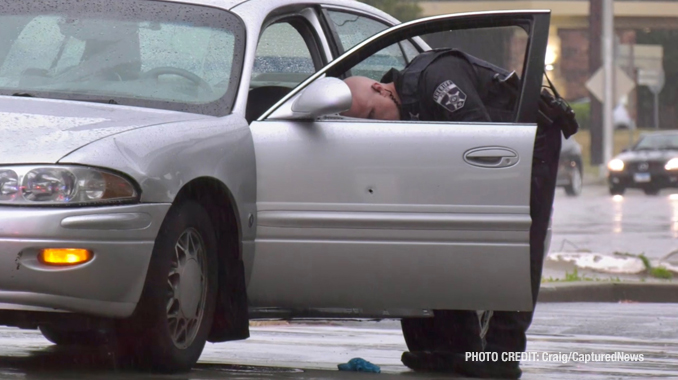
pixel 164 70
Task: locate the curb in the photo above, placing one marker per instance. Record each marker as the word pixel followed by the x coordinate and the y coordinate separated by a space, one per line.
pixel 609 292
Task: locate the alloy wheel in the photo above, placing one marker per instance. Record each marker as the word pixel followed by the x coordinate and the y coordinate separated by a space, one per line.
pixel 187 288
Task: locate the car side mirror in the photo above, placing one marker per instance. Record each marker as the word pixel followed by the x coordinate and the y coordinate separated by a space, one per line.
pixel 325 96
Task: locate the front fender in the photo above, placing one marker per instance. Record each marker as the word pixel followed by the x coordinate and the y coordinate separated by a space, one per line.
pixel 164 158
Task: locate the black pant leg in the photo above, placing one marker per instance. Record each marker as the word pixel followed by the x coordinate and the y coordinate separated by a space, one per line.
pixel 507 330
pixel 458 331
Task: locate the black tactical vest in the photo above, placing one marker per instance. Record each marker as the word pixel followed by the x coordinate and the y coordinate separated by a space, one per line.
pixel 498 88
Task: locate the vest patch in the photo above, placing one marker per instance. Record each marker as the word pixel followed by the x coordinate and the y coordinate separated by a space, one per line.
pixel 448 95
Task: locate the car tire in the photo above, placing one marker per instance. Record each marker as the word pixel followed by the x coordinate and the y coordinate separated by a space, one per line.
pixel 573 189
pixel 70 337
pixel 651 190
pixel 617 190
pixel 168 331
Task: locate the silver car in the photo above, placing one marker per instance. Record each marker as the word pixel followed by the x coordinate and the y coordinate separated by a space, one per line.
pixel 171 170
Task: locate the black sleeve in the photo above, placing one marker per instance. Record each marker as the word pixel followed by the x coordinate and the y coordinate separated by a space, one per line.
pixel 449 91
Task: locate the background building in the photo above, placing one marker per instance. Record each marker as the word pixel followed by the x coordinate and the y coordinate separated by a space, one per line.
pixel 638 23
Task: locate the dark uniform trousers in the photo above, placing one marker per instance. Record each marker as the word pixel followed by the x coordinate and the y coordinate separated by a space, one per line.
pixel 507 329
pixel 489 93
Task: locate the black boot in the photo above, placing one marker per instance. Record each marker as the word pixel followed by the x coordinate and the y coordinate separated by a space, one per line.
pixel 431 361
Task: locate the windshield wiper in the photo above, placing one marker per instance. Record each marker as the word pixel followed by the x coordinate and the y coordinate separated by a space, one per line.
pixel 24 94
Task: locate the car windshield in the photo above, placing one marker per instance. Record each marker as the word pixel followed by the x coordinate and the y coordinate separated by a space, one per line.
pixel 658 142
pixel 141 53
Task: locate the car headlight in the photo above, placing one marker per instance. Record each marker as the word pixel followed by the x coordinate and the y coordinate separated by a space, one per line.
pixel 672 164
pixel 63 185
pixel 616 165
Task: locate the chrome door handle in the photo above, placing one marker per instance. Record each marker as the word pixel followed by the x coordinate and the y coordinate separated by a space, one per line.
pixel 491 157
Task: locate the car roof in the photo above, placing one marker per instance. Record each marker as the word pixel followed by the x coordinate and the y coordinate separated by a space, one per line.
pixel 225 4
pixel 268 5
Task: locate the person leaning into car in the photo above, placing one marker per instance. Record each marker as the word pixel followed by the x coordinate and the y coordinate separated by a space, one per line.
pixel 450 85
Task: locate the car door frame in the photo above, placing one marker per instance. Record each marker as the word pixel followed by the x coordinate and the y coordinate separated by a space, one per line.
pixel 335 41
pixel 258 22
pixel 304 25
pixel 536 21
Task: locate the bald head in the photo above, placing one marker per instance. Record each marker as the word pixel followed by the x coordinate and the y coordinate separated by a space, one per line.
pixel 372 100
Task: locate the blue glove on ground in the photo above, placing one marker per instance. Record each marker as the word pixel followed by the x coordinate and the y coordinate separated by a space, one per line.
pixel 359 365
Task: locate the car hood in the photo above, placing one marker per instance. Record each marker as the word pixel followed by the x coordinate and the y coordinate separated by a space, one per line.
pixel 648 155
pixel 40 131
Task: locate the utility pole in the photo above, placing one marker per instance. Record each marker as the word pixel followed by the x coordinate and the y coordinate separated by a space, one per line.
pixel 656 110
pixel 631 70
pixel 595 61
pixel 608 67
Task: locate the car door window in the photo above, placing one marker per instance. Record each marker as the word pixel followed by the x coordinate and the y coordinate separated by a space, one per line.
pixel 409 49
pixel 505 47
pixel 283 57
pixel 352 29
pixel 519 50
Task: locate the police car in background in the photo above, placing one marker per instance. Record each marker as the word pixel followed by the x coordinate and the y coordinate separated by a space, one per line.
pixel 651 165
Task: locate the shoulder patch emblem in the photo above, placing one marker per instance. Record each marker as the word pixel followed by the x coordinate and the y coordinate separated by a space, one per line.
pixel 448 95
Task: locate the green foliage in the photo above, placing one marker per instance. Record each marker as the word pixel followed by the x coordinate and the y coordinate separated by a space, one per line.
pixel 656 272
pixel 582 112
pixel 403 10
pixel 661 272
pixel 574 276
pixel 646 261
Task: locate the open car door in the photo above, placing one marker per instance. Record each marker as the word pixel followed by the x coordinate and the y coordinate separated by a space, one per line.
pixel 389 217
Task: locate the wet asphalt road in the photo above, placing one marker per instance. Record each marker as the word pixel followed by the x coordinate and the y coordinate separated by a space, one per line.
pixel 635 223
pixel 312 350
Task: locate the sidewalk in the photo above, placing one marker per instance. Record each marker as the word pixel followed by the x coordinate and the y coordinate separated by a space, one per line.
pixel 564 282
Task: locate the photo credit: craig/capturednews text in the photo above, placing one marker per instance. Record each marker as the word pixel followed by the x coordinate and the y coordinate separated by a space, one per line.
pixel 561 357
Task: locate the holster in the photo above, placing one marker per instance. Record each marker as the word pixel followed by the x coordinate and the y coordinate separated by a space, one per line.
pixel 555 112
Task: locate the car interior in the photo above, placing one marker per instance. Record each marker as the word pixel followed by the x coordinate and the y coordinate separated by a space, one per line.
pixel 287 54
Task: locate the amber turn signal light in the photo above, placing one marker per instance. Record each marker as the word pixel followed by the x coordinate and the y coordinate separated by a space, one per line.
pixel 65 256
